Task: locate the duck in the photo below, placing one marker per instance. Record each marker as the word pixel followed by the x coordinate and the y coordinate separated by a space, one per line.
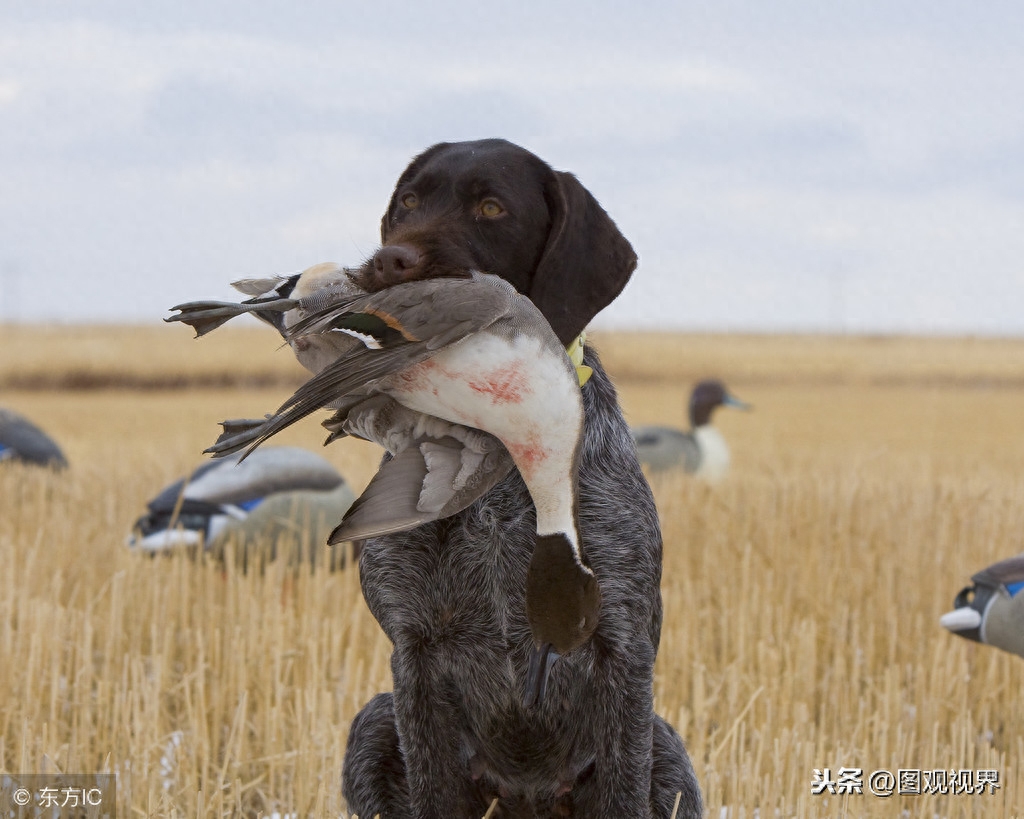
pixel 23 442
pixel 281 496
pixel 433 468
pixel 991 611
pixel 474 353
pixel 702 451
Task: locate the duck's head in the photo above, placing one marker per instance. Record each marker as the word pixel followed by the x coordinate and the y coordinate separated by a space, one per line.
pixel 991 610
pixel 706 397
pixel 563 601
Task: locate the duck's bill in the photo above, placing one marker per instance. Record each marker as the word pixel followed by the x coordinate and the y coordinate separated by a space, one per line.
pixel 733 401
pixel 541 661
pixel 165 540
pixel 961 620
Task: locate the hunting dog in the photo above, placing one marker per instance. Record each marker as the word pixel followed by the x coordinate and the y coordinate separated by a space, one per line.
pixel 456 732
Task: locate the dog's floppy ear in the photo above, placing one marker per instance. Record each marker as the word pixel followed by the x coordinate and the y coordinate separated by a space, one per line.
pixel 585 263
pixel 407 174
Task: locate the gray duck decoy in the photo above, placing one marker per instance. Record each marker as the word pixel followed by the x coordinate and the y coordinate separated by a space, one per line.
pixel 24 442
pixel 279 497
pixel 702 450
pixel 991 611
pixel 475 353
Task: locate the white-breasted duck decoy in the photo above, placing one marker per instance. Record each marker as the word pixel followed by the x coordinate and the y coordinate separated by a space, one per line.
pixel 22 441
pixel 279 499
pixel 702 451
pixel 992 610
pixel 471 352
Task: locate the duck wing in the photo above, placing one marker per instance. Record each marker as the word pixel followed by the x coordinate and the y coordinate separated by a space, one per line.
pixel 666 448
pixel 400 327
pixel 1002 573
pixel 436 468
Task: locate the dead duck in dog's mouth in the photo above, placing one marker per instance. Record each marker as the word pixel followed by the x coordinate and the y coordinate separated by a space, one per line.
pixel 473 353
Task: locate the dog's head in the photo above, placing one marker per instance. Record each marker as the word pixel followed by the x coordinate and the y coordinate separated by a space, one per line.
pixel 492 206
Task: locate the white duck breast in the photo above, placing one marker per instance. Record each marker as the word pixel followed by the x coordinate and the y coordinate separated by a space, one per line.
pixel 714 453
pixel 523 392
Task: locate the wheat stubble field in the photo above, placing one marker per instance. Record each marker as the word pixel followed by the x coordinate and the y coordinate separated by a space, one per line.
pixel 873 477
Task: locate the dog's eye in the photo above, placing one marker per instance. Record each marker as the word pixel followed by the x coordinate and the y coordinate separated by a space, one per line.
pixel 491 208
pixel 410 201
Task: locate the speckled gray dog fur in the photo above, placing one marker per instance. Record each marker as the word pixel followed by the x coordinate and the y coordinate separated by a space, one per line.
pixel 450 598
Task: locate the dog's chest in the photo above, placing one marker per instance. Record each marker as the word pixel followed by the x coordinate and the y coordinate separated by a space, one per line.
pixel 451 596
pixel 457 587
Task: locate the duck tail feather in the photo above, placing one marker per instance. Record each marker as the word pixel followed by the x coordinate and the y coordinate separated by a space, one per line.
pixel 205 316
pixel 237 434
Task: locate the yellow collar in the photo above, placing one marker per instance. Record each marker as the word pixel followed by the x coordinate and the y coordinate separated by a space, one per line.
pixel 575 352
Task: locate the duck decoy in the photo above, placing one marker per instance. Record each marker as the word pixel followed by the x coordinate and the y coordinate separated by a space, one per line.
pixel 23 441
pixel 474 353
pixel 281 497
pixel 702 451
pixel 991 611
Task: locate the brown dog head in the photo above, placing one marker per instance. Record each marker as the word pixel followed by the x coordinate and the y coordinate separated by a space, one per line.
pixel 492 206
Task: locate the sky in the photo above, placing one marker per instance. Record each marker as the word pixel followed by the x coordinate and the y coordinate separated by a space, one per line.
pixel 777 165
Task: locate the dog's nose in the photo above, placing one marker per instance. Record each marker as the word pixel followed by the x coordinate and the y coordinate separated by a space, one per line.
pixel 393 264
